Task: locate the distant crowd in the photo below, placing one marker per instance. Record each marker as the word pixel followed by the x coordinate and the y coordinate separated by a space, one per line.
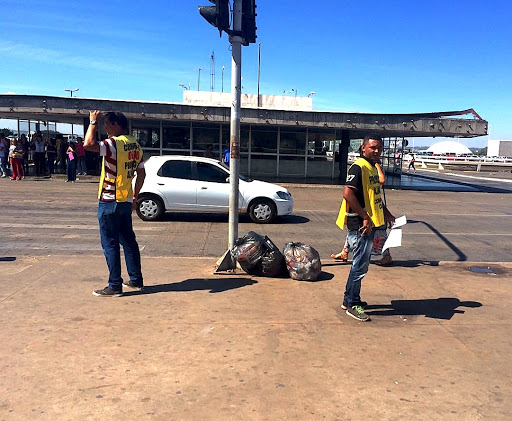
pixel 41 156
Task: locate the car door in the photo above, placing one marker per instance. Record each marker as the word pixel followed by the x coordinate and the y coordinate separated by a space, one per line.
pixel 176 184
pixel 213 187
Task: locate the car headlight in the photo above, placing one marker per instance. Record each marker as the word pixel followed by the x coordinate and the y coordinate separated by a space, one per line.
pixel 284 195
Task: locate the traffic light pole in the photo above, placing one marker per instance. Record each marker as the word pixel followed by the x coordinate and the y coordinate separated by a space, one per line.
pixel 234 135
pixel 226 262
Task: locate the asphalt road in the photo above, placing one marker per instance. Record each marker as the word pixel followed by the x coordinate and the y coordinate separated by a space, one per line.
pixel 51 217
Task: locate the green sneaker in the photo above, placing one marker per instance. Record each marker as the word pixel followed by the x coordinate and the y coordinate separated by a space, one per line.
pixel 357 312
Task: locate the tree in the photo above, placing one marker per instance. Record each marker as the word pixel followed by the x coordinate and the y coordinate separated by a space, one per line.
pixel 6 132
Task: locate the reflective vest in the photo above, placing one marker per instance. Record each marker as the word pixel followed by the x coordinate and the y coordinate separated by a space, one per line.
pixel 117 171
pixel 372 199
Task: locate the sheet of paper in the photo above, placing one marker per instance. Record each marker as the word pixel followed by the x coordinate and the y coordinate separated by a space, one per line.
pixel 399 222
pixel 394 239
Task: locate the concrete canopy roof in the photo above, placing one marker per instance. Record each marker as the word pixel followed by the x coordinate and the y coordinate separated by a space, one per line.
pixel 76 110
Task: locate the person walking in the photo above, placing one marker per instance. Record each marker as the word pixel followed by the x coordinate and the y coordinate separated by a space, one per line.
pixel 122 161
pixel 411 163
pixel 362 211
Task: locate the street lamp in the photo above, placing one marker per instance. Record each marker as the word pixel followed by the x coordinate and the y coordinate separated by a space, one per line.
pixel 199 78
pixel 223 68
pixel 183 86
pixel 311 94
pixel 71 91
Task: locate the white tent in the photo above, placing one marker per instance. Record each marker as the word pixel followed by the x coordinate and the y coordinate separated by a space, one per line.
pixel 449 146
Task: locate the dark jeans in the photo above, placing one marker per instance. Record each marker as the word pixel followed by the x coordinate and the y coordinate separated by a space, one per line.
pixel 71 171
pixel 115 219
pixel 51 163
pixel 40 163
pixel 361 247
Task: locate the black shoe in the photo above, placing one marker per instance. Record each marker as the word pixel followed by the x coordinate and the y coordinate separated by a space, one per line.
pixel 130 284
pixel 107 292
pixel 344 306
pixel 358 313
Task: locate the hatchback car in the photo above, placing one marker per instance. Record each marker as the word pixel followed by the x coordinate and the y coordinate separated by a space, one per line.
pixel 197 184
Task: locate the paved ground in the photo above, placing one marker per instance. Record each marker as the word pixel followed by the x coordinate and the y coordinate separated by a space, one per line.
pixel 199 346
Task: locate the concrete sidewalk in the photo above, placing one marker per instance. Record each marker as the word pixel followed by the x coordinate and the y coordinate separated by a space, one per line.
pixel 197 346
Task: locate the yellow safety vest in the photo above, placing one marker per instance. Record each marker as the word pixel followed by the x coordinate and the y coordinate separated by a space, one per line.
pixel 372 199
pixel 128 157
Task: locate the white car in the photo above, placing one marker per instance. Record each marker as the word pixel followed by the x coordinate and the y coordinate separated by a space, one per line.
pixel 195 184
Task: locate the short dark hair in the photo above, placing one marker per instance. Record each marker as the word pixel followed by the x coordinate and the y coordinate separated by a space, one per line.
pixel 119 118
pixel 371 136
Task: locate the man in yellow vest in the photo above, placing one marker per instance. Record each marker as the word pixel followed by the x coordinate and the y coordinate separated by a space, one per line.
pixel 362 211
pixel 122 160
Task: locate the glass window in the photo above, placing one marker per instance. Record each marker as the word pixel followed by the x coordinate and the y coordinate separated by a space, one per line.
pixel 208 172
pixel 147 138
pixel 177 137
pixel 205 135
pixel 264 139
pixel 176 169
pixel 292 142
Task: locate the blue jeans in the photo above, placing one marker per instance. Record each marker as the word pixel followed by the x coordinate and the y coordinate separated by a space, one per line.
pixel 361 247
pixel 115 219
pixel 71 170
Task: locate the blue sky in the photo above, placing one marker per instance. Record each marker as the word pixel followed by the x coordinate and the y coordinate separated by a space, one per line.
pixel 365 56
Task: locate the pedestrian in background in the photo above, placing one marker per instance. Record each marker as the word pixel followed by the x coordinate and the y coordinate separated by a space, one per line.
pixel 51 155
pixel 122 160
pixel 4 150
pixel 16 158
pixel 39 157
pixel 71 163
pixel 81 168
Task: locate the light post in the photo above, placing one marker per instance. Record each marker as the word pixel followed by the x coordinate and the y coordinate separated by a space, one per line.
pixel 71 91
pixel 183 86
pixel 222 89
pixel 199 78
pixel 310 95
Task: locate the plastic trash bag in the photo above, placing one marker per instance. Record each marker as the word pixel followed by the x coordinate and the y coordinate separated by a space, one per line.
pixel 247 251
pixel 302 261
pixel 272 262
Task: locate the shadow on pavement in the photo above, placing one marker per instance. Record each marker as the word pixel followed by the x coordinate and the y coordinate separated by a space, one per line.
pixel 435 308
pixel 199 284
pixel 223 217
pixel 461 257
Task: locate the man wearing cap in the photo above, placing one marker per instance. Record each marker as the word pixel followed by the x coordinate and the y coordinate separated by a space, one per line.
pixel 122 160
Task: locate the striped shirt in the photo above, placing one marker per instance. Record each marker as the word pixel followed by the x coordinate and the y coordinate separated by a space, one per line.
pixel 108 151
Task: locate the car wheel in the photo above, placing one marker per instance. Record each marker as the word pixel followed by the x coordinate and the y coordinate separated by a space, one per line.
pixel 262 211
pixel 150 208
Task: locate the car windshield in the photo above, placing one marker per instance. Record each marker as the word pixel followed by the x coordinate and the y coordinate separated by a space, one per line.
pixel 241 176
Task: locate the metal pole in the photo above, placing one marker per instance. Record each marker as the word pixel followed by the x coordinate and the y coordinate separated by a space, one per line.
pixel 259 66
pixel 234 151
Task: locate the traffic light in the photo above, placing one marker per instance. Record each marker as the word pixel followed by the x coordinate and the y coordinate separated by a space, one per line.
pixel 217 15
pixel 249 21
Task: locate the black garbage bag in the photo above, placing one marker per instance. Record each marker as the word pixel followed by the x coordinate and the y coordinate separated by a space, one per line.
pixel 302 261
pixel 272 262
pixel 248 251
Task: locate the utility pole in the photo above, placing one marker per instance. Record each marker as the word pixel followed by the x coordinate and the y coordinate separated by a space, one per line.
pixel 243 32
pixel 234 134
